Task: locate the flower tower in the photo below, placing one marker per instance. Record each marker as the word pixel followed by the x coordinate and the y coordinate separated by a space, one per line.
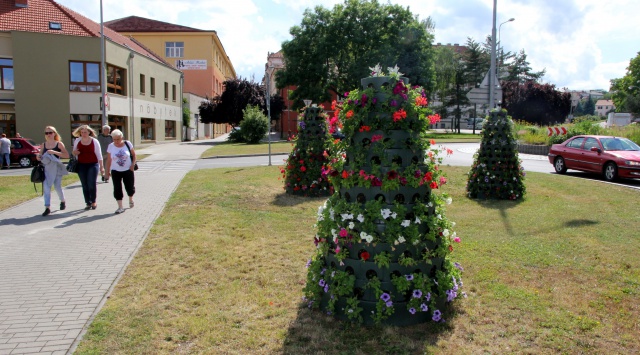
pixel 303 171
pixel 383 242
pixel 496 171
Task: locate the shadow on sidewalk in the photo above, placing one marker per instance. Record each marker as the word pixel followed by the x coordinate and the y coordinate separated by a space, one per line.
pixel 80 215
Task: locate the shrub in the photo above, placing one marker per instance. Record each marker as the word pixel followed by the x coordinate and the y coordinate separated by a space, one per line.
pixel 254 124
pixel 235 136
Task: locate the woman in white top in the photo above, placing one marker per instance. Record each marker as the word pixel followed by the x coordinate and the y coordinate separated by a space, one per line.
pixel 121 159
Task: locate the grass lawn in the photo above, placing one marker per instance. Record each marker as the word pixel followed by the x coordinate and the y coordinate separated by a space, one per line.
pixel 18 189
pixel 222 271
pixel 226 148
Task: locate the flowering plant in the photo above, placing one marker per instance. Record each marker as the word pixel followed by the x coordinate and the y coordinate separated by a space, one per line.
pixel 303 169
pixel 383 241
pixel 496 171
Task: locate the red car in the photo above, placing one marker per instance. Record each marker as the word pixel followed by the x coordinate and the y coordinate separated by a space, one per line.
pixel 612 157
pixel 23 152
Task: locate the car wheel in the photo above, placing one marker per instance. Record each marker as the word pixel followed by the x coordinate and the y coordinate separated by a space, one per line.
pixel 24 162
pixel 560 166
pixel 610 171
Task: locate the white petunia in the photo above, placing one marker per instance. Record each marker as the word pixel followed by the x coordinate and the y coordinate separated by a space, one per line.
pixel 439 216
pixel 445 232
pixel 417 221
pixel 360 218
pixel 346 216
pixel 334 233
pixel 320 218
pixel 401 240
pixel 351 225
pixel 394 215
pixel 406 223
pixel 385 213
pixel 449 200
pixel 332 214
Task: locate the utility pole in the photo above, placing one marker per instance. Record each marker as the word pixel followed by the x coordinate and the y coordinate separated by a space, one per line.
pixel 492 70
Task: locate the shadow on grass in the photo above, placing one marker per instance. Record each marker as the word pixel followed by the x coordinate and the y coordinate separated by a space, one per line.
pixel 502 206
pixel 313 333
pixel 284 199
pixel 580 223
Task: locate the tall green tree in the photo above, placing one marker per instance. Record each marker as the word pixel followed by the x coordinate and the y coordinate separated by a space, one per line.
pixel 331 50
pixel 237 95
pixel 626 90
pixel 477 61
pixel 589 106
pixel 520 70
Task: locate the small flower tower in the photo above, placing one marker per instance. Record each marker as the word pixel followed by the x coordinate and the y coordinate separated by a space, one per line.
pixel 383 242
pixel 496 171
pixel 303 172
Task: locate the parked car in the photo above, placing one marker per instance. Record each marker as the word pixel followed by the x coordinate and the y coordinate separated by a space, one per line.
pixel 23 152
pixel 612 157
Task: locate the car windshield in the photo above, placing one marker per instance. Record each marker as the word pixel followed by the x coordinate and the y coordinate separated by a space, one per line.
pixel 613 144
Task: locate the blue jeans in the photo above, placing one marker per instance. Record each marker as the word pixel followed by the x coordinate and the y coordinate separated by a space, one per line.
pixel 88 173
pixel 55 181
pixel 4 160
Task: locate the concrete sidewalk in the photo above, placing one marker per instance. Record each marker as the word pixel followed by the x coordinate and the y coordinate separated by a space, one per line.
pixel 57 271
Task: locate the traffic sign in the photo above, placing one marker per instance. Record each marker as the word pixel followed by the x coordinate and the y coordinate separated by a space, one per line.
pixel 557 131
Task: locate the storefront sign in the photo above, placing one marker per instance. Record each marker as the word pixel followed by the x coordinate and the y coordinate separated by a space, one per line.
pixel 191 64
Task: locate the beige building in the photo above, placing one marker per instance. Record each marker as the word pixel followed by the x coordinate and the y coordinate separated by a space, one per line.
pixel 199 54
pixel 50 59
pixel 603 107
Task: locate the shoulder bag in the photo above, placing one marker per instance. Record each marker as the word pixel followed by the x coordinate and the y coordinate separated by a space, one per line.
pixel 72 165
pixel 135 166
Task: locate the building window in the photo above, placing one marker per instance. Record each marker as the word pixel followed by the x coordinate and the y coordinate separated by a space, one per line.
pixel 170 129
pixel 143 84
pixel 115 80
pixel 146 129
pixel 152 86
pixel 166 90
pixel 174 49
pixel 6 73
pixel 93 121
pixel 173 92
pixel 84 76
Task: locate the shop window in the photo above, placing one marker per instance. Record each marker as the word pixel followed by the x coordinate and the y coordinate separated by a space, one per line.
pixel 147 133
pixel 84 76
pixel 170 129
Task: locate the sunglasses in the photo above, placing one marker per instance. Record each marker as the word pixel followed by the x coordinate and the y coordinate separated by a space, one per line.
pixel 49 133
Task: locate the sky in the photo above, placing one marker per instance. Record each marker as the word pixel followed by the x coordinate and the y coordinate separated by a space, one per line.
pixel 582 44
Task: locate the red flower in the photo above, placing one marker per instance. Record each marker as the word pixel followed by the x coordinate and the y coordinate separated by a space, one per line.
pixel 399 115
pixel 434 185
pixel 350 114
pixel 364 256
pixel 303 169
pixel 376 137
pixel 391 175
pixel 433 119
pixel 421 101
pixel 345 174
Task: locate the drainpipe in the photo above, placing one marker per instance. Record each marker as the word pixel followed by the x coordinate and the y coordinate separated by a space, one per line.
pixel 132 125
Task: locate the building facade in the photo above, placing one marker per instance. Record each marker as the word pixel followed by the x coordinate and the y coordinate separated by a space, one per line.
pixel 54 55
pixel 199 54
pixel 603 107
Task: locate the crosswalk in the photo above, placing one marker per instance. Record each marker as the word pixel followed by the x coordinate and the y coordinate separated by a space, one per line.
pixel 165 166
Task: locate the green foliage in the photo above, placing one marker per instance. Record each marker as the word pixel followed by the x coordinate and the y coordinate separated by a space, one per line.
pixel 332 49
pixel 254 126
pixel 626 90
pixel 186 113
pixel 519 71
pixel 235 136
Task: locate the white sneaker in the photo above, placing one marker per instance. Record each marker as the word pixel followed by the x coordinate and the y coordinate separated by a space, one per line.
pixel 120 210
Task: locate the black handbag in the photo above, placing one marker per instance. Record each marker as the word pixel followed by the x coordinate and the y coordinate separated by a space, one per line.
pixel 72 165
pixel 135 166
pixel 37 175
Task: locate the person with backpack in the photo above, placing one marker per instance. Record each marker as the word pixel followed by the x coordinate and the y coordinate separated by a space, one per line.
pixel 105 139
pixel 121 162
pixel 52 150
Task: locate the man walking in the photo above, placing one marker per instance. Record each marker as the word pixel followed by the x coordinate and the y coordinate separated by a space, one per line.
pixel 105 139
pixel 5 150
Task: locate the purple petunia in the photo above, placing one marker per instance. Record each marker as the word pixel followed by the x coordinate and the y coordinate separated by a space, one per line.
pixel 412 310
pixel 308 263
pixel 302 124
pixel 323 270
pixel 417 293
pixel 428 296
pixel 451 295
pixel 326 288
pixel 321 283
pixel 385 297
pixel 409 277
pixel 424 307
pixel 437 316
pixel 457 265
pixel 389 303
pixel 393 103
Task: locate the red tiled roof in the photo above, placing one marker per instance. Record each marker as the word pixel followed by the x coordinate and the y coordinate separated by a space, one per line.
pixel 141 24
pixel 36 18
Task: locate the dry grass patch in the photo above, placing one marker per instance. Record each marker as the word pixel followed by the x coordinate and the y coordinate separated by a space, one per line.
pixel 223 268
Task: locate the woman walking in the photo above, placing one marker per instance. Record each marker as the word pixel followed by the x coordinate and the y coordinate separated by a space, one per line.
pixel 52 150
pixel 121 160
pixel 87 150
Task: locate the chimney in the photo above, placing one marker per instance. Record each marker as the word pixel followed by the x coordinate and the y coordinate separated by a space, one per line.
pixel 22 3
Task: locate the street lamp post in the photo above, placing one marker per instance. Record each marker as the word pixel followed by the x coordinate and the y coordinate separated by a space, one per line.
pixel 268 74
pixel 499 41
pixel 492 69
pixel 103 85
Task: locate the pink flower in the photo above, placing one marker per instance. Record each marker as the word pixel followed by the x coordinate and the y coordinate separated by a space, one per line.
pixel 343 233
pixel 376 137
pixel 456 239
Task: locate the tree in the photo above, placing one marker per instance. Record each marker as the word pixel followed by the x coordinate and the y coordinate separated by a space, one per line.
pixel 237 95
pixel 477 61
pixel 536 103
pixel 331 50
pixel 254 125
pixel 589 107
pixel 626 90
pixel 520 71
